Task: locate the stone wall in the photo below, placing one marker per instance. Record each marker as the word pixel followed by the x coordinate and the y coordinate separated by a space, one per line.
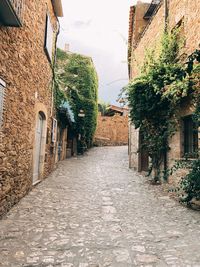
pixel 187 11
pixel 180 11
pixel 149 40
pixel 28 75
pixel 133 147
pixel 111 131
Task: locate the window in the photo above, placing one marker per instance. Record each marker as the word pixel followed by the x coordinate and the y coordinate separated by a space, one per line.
pixel 47 137
pixel 2 94
pixel 54 130
pixel 11 12
pixel 190 136
pixel 49 35
pixel 180 26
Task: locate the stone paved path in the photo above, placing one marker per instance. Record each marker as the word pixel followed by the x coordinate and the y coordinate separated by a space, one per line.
pixel 93 212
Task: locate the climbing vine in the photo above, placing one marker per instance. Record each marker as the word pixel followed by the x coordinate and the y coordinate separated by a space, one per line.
pixel 155 97
pixel 189 185
pixel 78 83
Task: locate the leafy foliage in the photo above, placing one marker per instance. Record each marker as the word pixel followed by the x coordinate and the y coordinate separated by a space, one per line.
pixel 155 97
pixel 190 184
pixel 102 107
pixel 77 82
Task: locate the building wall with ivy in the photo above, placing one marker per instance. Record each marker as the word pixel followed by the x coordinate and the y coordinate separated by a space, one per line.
pixel 77 83
pixel 185 16
pixel 180 12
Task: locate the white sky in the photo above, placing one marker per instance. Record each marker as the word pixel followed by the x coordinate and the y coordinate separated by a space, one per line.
pixel 99 29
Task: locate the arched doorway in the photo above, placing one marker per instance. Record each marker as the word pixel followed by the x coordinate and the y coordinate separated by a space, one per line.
pixel 39 147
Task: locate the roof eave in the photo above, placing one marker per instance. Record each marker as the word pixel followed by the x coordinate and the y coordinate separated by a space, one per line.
pixel 152 8
pixel 57 6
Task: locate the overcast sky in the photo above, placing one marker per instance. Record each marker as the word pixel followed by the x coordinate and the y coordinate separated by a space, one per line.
pixel 99 29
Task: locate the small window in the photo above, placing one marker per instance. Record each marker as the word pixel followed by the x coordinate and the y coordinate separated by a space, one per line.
pixel 190 135
pixel 180 30
pixel 2 95
pixel 180 23
pixel 180 27
pixel 47 137
pixel 54 130
pixel 49 35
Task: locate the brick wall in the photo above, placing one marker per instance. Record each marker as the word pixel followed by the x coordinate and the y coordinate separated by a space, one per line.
pixel 28 75
pixel 112 131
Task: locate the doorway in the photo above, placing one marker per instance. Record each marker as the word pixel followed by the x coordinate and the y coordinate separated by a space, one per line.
pixel 143 155
pixel 38 158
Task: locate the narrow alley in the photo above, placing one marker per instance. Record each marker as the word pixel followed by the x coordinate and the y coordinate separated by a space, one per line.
pixel 93 211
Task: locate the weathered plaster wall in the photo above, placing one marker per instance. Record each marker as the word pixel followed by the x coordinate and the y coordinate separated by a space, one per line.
pixel 27 72
pixel 112 131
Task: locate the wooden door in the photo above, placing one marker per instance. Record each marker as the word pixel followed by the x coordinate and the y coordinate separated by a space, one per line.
pixel 143 156
pixel 38 141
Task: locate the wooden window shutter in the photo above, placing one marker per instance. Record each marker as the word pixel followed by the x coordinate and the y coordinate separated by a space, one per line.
pixel 49 38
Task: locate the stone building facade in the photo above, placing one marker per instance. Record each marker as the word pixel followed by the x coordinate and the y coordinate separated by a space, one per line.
pixel 28 32
pixel 146 26
pixel 111 131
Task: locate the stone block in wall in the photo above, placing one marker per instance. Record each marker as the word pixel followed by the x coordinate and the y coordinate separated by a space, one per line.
pixel 111 131
pixel 26 70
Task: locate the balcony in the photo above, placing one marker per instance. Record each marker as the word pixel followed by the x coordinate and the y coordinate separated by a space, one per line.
pixel 11 12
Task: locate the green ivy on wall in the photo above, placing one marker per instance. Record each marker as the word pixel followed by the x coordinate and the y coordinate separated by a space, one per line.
pixel 155 97
pixel 77 81
pixel 189 186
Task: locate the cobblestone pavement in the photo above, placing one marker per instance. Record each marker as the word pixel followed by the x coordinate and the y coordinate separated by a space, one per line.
pixel 93 212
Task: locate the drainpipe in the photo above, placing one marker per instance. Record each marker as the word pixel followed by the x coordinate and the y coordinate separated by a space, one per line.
pixel 166 14
pixel 166 11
